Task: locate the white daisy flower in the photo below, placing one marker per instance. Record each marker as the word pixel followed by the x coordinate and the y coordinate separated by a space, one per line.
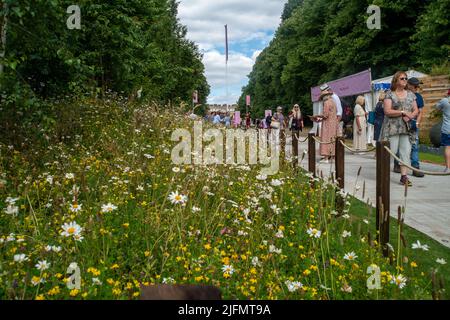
pixel 346 234
pixel 255 262
pixel 56 249
pixel 140 188
pixel 20 257
pixel 106 208
pixel 168 280
pixel 313 232
pixel 196 209
pixel 399 280
pixel 71 229
pixel 350 256
pixel 42 265
pixel 293 285
pixel 273 249
pixel 49 179
pixel 75 207
pixel 261 177
pixel 418 245
pixel 69 176
pixel 78 237
pixel 276 183
pixel 12 210
pixel 441 261
pixel 177 198
pixel 11 201
pixel 279 234
pixel 96 282
pixel 176 169
pixel 228 269
pixel 148 156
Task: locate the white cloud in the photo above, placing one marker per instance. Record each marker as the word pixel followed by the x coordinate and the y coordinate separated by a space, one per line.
pixel 247 20
pixel 256 54
pixel 250 23
pixel 239 66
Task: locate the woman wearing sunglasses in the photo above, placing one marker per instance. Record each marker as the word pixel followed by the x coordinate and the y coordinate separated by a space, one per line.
pixel 400 108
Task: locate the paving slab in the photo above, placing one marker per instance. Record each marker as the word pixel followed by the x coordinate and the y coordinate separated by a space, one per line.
pixel 427 202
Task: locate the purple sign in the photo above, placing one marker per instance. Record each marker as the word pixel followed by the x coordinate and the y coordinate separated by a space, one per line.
pixel 353 85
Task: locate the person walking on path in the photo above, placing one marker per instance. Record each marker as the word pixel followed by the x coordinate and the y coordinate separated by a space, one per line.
pixel 329 129
pixel 360 125
pixel 216 118
pixel 444 106
pixel 379 116
pixel 338 104
pixel 414 85
pixel 279 116
pixel 296 126
pixel 400 108
pixel 227 120
pixel 248 120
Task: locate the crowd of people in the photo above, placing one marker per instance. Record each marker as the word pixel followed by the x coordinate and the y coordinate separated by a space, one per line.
pixel 396 118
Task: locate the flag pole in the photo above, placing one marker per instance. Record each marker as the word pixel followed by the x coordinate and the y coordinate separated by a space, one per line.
pixel 226 63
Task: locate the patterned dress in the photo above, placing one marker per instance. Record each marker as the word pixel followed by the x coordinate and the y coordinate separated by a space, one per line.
pixel 329 128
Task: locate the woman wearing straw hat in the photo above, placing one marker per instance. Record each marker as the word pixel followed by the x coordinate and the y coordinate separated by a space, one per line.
pixel 329 129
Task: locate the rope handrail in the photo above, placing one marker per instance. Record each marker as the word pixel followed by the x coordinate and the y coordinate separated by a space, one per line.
pixel 415 169
pixel 320 142
pixel 301 141
pixel 355 151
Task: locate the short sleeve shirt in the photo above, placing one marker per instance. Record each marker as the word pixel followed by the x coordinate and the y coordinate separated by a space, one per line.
pixel 420 102
pixel 396 126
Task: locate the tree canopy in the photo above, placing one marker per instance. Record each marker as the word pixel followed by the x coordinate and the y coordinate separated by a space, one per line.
pixel 121 47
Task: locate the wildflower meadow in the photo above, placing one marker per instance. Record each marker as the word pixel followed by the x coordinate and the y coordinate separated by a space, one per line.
pixel 93 208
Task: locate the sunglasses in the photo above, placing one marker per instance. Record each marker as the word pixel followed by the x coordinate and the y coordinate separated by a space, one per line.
pixel 403 78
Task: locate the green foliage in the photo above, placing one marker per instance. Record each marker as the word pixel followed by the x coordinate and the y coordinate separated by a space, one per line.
pixel 322 40
pixel 122 47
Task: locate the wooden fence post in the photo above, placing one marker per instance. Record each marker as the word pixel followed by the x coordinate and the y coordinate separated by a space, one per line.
pixel 340 163
pixel 312 154
pixel 383 194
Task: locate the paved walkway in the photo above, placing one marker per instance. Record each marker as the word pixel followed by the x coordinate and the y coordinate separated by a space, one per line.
pixel 427 203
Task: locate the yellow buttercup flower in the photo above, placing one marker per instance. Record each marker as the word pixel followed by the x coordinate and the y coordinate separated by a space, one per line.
pixel 74 292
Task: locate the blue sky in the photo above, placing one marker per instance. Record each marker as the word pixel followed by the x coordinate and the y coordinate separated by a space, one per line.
pixel 251 26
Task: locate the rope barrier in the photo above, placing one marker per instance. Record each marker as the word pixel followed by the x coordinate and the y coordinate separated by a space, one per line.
pixel 320 142
pixel 301 141
pixel 355 151
pixel 415 169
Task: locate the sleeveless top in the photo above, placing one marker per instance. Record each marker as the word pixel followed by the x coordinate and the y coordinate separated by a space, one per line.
pixel 396 126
